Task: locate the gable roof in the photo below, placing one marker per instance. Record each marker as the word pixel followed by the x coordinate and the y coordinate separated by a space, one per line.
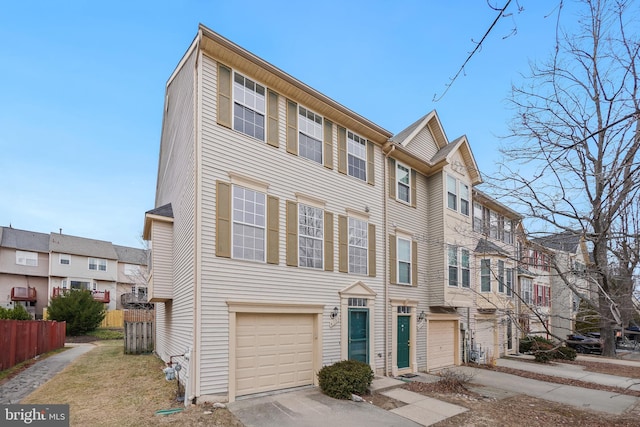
pixel 399 147
pixel 63 243
pixel 24 240
pixel 131 255
pixel 164 210
pixel 566 241
pixel 485 246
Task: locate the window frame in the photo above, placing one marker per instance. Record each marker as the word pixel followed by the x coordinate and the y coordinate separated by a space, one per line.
pixel 527 290
pixel 363 246
pixel 352 143
pixel 485 274
pixel 465 267
pixel 501 273
pixel 405 186
pixel 453 265
pixel 509 281
pixel 246 106
pixel 98 263
pixel 64 257
pixel 304 123
pixel 27 258
pixel 464 199
pixel 402 262
pixel 452 196
pixel 235 246
pixel 319 216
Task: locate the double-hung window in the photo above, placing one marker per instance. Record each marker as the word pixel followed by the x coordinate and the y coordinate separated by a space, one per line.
pixel 403 178
pixel 404 261
pixel 27 258
pixel 453 265
pixel 527 290
pixel 64 259
pixel 464 268
pixel 97 264
pixel 509 281
pixel 357 156
pixel 464 199
pixel 249 219
pixel 358 246
pixel 493 225
pixel 310 236
pixel 501 276
pixel 508 231
pixel 485 275
pixel 452 193
pixel 310 135
pixel 477 218
pixel 248 106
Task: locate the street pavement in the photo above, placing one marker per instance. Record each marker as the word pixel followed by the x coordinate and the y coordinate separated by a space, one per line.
pixel 20 386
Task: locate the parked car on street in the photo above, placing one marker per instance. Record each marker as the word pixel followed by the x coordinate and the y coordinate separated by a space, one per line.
pixel 584 344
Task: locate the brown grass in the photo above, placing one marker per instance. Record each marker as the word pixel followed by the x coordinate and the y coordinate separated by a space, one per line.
pixel 105 387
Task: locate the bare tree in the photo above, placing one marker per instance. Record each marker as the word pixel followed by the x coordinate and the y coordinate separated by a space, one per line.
pixel 572 159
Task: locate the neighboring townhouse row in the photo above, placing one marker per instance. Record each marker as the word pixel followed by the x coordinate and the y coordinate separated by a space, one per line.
pixel 289 233
pixel 36 266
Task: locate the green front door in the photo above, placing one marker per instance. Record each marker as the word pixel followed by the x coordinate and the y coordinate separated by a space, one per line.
pixel 403 341
pixel 359 334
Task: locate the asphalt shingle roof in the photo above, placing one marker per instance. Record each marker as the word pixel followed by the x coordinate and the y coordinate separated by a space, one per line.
pixel 24 240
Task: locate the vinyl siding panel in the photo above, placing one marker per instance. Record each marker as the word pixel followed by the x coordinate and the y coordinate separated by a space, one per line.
pixel 436 252
pixel 414 221
pixel 423 145
pixel 224 151
pixel 176 185
pixel 162 260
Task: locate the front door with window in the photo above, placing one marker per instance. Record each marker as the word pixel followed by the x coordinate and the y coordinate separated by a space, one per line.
pixel 359 334
pixel 403 341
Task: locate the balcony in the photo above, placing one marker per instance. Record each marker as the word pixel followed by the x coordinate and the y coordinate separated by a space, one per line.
pixel 23 294
pixel 131 300
pixel 102 296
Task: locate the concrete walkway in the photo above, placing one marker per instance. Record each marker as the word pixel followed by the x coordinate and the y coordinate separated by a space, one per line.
pixel 20 386
pixel 418 407
pixel 578 397
pixel 577 372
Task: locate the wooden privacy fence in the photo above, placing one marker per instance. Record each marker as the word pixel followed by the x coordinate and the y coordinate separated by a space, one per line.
pixel 139 315
pixel 113 319
pixel 22 340
pixel 138 337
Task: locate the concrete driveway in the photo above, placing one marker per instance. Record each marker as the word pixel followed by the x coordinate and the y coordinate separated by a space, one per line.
pixel 310 408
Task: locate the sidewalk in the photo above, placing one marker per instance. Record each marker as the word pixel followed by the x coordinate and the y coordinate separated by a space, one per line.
pixel 578 397
pixel 20 386
pixel 575 372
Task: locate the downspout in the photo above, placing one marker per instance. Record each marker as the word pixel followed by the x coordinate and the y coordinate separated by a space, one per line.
pixel 386 258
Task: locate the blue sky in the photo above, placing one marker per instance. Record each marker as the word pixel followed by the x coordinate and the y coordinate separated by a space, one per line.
pixel 82 86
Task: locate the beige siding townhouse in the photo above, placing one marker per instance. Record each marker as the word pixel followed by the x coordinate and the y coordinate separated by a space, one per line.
pixel 80 263
pixel 569 281
pixel 269 212
pixel 132 279
pixel 494 318
pixel 36 266
pixel 24 269
pixel 535 279
pixel 429 210
pixel 289 232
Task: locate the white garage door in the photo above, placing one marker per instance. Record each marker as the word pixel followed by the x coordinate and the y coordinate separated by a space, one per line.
pixel 273 351
pixel 441 342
